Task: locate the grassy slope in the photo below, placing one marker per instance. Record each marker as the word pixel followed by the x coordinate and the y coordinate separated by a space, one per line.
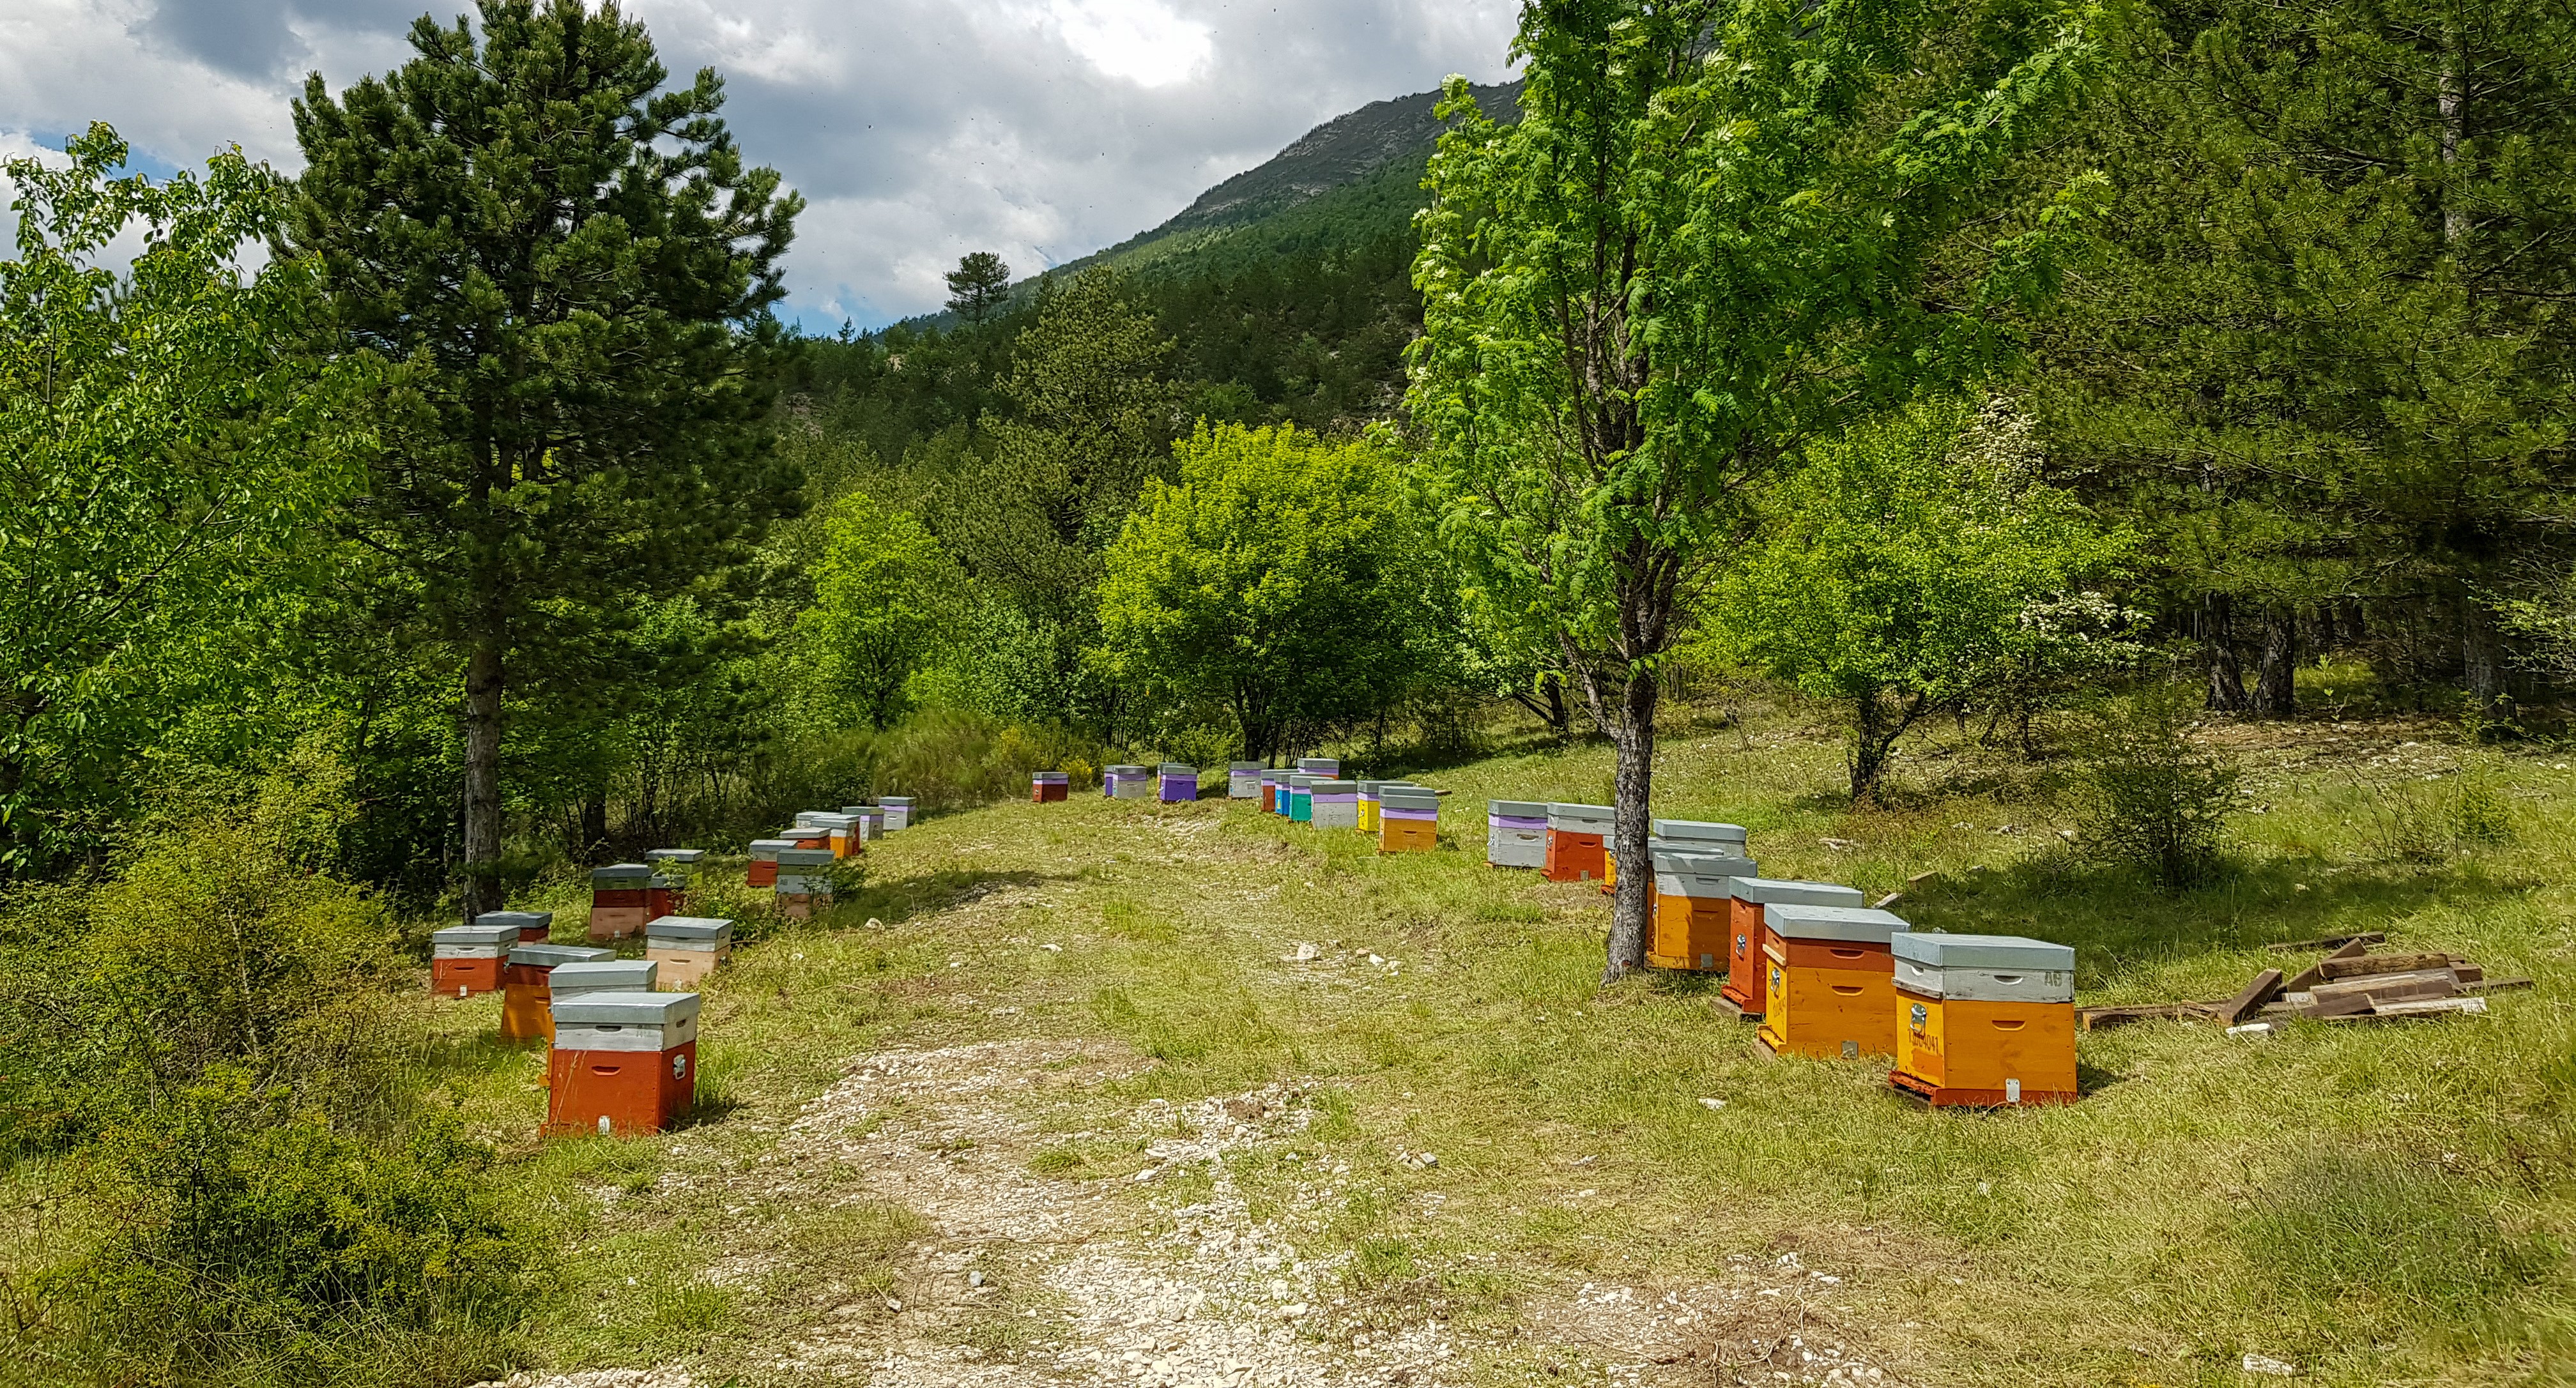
pixel 2379 1204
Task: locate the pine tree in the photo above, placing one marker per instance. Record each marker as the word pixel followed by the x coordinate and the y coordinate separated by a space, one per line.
pixel 564 272
pixel 980 284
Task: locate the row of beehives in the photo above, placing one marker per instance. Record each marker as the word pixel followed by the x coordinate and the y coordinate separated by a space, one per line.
pixel 796 863
pixel 1971 1020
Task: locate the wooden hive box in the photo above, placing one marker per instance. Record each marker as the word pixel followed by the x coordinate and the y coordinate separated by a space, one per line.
pixel 527 977
pixel 1050 785
pixel 898 811
pixel 1334 804
pixel 804 882
pixel 1576 836
pixel 1243 780
pixel 1984 1020
pixel 534 927
pixel 1408 819
pixel 688 948
pixel 622 1063
pixel 466 959
pixel 1176 784
pixel 1829 980
pixel 762 870
pixel 1516 833
pixel 611 975
pixel 619 900
pixel 1747 897
pixel 1692 893
pixel 1273 801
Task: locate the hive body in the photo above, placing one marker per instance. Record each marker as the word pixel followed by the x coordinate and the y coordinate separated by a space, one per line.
pixel 1576 837
pixel 527 987
pixel 622 1063
pixel 1984 1020
pixel 1828 981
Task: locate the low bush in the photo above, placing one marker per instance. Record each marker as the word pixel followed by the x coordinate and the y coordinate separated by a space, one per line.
pixel 2149 797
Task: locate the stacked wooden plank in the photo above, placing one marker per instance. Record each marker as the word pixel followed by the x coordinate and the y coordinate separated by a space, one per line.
pixel 2349 983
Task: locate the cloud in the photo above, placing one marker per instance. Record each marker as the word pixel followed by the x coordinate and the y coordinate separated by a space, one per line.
pixel 918 130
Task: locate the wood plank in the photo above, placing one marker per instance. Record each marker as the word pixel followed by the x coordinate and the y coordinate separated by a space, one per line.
pixel 2310 976
pixel 2382 964
pixel 2424 983
pixel 2427 1007
pixel 2097 1018
pixel 2495 985
pixel 2333 942
pixel 2265 987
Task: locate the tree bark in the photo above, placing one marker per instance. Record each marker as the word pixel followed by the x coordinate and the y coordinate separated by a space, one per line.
pixel 2275 685
pixel 1633 796
pixel 483 889
pixel 594 824
pixel 2482 660
pixel 2218 639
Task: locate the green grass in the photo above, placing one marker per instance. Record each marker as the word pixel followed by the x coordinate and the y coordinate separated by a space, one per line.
pixel 2379 1204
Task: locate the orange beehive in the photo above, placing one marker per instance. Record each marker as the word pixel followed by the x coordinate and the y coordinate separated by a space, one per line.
pixel 619 901
pixel 622 1063
pixel 1829 982
pixel 1689 906
pixel 526 987
pixel 688 948
pixel 763 869
pixel 466 959
pixel 1408 819
pixel 1576 838
pixel 1741 930
pixel 1983 1020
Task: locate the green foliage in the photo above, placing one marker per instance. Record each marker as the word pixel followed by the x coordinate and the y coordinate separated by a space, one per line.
pixel 885 596
pixel 978 286
pixel 2152 799
pixel 1274 579
pixel 570 401
pixel 252 1245
pixel 1907 568
pixel 158 466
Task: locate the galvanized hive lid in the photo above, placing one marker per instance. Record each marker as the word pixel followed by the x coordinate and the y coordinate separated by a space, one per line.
pixel 1699 829
pixel 1335 787
pixel 806 819
pixel 804 857
pixel 1328 766
pixel 768 849
pixel 689 928
pixel 895 802
pixel 1762 891
pixel 481 932
pixel 603 974
pixel 1243 766
pixel 1517 809
pixel 1302 780
pixel 625 1009
pixel 1989 952
pixel 1409 797
pixel 1690 864
pixel 676 855
pixel 636 874
pixel 557 956
pixel 1799 921
pixel 834 821
pixel 518 920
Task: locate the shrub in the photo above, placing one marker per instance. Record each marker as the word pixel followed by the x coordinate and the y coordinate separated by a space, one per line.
pixel 2429 823
pixel 2152 799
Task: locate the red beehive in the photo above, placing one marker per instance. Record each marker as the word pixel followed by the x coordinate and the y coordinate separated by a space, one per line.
pixel 622 1063
pixel 1741 931
pixel 1050 785
pixel 534 926
pixel 619 901
pixel 466 959
pixel 1576 835
pixel 763 870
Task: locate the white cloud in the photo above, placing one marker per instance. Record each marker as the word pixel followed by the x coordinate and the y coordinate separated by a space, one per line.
pixel 917 129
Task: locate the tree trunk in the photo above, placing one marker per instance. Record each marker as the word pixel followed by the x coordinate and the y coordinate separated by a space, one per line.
pixel 1633 795
pixel 2218 639
pixel 2275 688
pixel 483 889
pixel 594 824
pixel 2482 660
pixel 1872 742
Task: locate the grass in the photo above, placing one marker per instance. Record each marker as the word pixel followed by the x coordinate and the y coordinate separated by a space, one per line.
pixel 2375 1204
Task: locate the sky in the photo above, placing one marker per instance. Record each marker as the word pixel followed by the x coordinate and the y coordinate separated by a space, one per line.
pixel 918 130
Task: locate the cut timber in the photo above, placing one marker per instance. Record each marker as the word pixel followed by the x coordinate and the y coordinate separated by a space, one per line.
pixel 2315 973
pixel 2494 985
pixel 1886 901
pixel 2096 1018
pixel 2415 983
pixel 2338 943
pixel 2424 1007
pixel 2359 965
pixel 2265 987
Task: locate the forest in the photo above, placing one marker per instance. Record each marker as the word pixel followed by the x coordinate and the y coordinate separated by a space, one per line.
pixel 395 540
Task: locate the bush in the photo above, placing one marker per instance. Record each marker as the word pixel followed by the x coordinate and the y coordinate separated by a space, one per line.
pixel 2429 823
pixel 2152 799
pixel 250 1244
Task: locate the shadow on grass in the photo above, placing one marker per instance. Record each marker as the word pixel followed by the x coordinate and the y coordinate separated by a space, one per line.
pixel 2116 918
pixel 894 901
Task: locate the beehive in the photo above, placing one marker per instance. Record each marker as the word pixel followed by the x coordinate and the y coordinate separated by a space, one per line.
pixel 1243 780
pixel 1689 907
pixel 898 811
pixel 1175 784
pixel 1272 784
pixel 1050 785
pixel 527 986
pixel 804 882
pixel 1747 898
pixel 618 900
pixel 1829 981
pixel 871 822
pixel 688 948
pixel 1984 1020
pixel 1575 838
pixel 681 866
pixel 597 976
pixel 842 829
pixel 762 871
pixel 533 926
pixel 1301 796
pixel 1516 833
pixel 1408 819
pixel 622 1063
pixel 1127 782
pixel 809 836
pixel 466 959
pixel 1336 804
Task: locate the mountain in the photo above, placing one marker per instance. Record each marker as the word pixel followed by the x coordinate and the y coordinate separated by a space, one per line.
pixel 1347 182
